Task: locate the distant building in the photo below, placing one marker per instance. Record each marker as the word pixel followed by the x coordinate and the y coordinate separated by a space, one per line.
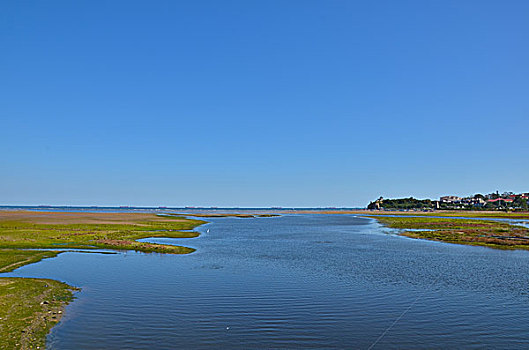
pixel 505 200
pixel 474 201
pixel 378 203
pixel 450 199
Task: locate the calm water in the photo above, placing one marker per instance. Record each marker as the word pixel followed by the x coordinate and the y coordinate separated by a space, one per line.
pixel 305 281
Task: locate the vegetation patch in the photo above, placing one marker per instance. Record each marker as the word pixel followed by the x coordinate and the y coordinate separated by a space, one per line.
pixel 45 230
pixel 461 231
pixel 29 308
pixel 10 259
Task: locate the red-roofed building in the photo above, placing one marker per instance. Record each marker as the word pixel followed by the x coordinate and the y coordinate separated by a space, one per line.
pixel 506 200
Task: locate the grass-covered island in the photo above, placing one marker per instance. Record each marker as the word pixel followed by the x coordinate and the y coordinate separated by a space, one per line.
pixel 494 234
pixel 24 229
pixel 30 307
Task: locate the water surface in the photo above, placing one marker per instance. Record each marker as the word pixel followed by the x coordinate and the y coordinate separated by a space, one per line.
pixel 296 281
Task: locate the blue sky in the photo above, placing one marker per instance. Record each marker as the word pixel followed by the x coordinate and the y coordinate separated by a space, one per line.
pixel 261 103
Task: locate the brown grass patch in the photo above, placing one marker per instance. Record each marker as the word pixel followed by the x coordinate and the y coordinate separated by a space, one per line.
pixel 68 218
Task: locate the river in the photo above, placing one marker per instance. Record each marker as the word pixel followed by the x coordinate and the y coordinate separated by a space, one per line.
pixel 295 281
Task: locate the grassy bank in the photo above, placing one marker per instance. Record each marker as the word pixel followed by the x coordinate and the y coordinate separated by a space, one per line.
pixel 11 259
pixel 29 307
pixel 461 231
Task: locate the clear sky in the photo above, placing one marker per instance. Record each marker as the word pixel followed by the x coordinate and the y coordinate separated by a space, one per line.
pixel 261 103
